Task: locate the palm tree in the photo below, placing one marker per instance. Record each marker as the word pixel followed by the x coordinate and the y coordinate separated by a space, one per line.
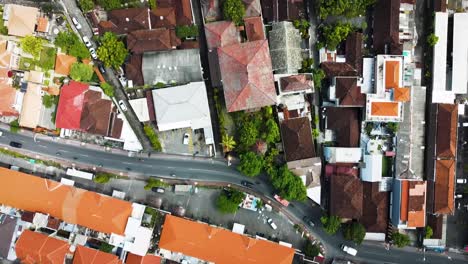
pixel 228 143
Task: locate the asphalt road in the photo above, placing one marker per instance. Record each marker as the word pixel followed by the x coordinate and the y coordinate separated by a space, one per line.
pixel 199 169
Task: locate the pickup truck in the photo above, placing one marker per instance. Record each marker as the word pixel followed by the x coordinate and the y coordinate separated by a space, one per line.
pixel 349 250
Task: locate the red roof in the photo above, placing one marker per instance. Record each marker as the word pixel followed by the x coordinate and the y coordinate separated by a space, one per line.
pixel 221 33
pixel 85 255
pixel 32 248
pixel 70 105
pixel 148 259
pixel 254 28
pixel 247 75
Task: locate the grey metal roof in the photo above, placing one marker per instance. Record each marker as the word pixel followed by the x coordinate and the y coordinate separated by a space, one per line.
pixel 285 48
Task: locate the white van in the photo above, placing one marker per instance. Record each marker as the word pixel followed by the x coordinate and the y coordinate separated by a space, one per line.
pixel 272 224
pixel 461 181
pixel 349 250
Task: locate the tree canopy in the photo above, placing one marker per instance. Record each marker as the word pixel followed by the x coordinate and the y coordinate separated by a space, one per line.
pixel 153 137
pixel 32 45
pixel 248 133
pixel 81 72
pixel 71 44
pixel 112 51
pixel 347 8
pixel 271 133
pixel 400 240
pixel 428 232
pixel 334 34
pixel 251 164
pixel 228 201
pixel 331 224
pixel 185 31
pixel 355 232
pixel 107 89
pixel 432 39
pixel 311 250
pixel 228 143
pixel 109 4
pixel 288 185
pixel 234 10
pixel 86 5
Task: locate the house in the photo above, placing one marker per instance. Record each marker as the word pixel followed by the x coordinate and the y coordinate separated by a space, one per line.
pixel 254 28
pixel 444 187
pixel 184 106
pixel 346 196
pixel 208 243
pixel 133 69
pixel 85 255
pixel 31 107
pixel 309 171
pixel 140 41
pixel 293 95
pixel 140 107
pixel 220 34
pixel 297 139
pixel 211 10
pixel 409 204
pixel 247 75
pixel 8 234
pixel 123 21
pixel 343 123
pixel 354 51
pixel 63 64
pixel 386 27
pixel 342 155
pixel 20 20
pixel 10 98
pixel 285 47
pixel 148 259
pixel 42 24
pixel 183 10
pixel 170 67
pixel 280 10
pixel 87 109
pixel 446 133
pixel 345 91
pixel 335 69
pixel 33 247
pixel 163 17
pixel 375 207
pixel 372 172
pixel 252 8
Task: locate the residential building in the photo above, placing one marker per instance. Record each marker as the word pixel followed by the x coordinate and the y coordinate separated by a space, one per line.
pixel 254 27
pixel 285 48
pixel 184 106
pixel 148 259
pixel 346 196
pixel 85 255
pixel 280 10
pixel 336 69
pixel 220 34
pixel 342 155
pixel 372 168
pixel 346 91
pixel 353 51
pixel 247 75
pixel 309 171
pixel 386 27
pixel 297 139
pixel 211 10
pixel 183 10
pixel 20 20
pixel 33 247
pixel 10 98
pixel 293 98
pixel 375 207
pixel 252 8
pixel 8 234
pixel 159 39
pixel 208 243
pixel 342 125
pixel 133 69
pixel 31 107
pixel 63 64
pixel 140 107
pixel 408 210
pixel 42 24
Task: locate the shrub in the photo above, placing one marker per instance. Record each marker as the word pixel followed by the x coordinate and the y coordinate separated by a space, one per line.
pixel 107 89
pixel 14 126
pixel 104 177
pixel 153 137
pixel 228 201
pixel 152 182
pixel 331 224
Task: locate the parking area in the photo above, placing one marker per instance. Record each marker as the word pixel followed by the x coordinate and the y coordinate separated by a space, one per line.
pixel 173 142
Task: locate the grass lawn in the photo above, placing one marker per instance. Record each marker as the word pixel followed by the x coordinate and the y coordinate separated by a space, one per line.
pixel 27 64
pixel 47 58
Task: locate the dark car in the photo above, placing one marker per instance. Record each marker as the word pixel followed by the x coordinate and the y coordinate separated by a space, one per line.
pixel 158 189
pixel 16 144
pixel 102 69
pixel 247 184
pixel 308 221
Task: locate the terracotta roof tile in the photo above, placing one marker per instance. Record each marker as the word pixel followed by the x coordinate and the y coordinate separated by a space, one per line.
pixel 346 196
pixel 294 83
pixel 252 8
pixel 63 64
pixel 183 10
pixel 349 93
pixel 96 112
pixel 42 24
pixel 446 141
pixel 392 74
pixel 7 100
pixel 297 139
pixel 85 255
pixel 33 247
pixel 280 10
pixel 163 17
pixel 133 69
pixel 354 50
pixel 386 27
pixel 148 259
pixel 219 245
pixel 123 21
pixel 402 94
pixel 334 69
pixel 375 208
pixel 416 204
pixel 160 39
pixel 70 106
pixel 254 28
pixel 221 33
pixel 344 122
pixel 444 187
pixel 385 108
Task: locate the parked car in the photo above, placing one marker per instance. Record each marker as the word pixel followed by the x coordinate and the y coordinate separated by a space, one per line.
pixel 1 133
pixel 122 105
pixel 92 51
pixel 308 221
pixel 461 181
pixel 349 250
pixel 458 196
pixel 247 184
pixel 102 69
pixel 186 139
pixel 158 190
pixel 86 41
pixel 16 144
pixel 75 22
pixel 271 223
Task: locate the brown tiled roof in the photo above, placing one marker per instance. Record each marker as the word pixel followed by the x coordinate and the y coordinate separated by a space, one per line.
pixel 95 117
pixel 63 63
pixel 334 69
pixel 446 138
pixel 183 10
pixel 53 223
pixel 386 27
pixel 417 204
pixel 159 39
pixel 349 93
pixel 436 223
pixel 297 139
pixel 123 21
pixel 150 103
pixel 7 233
pixel 354 50
pixel 293 83
pixel 163 17
pixel 189 44
pixel 254 28
pixel 344 122
pixel 133 69
pixel 116 126
pixel 440 5
pixel 444 187
pixel 346 195
pixel 27 216
pixel 280 10
pixel 375 208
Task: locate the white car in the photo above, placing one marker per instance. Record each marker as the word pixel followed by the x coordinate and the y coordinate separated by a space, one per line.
pixel 86 41
pixel 186 139
pixel 92 51
pixel 461 181
pixel 349 250
pixel 122 105
pixel 272 224
pixel 75 22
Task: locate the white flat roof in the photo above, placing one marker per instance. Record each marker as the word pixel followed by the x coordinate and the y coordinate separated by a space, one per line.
pixel 343 155
pixel 373 170
pixel 131 142
pixel 140 107
pixel 440 54
pixel 460 53
pixel 238 228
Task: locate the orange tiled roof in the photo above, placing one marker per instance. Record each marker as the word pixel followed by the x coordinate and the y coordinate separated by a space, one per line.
pixel 219 245
pixel 416 204
pixel 32 248
pixel 42 24
pixel 148 259
pixel 63 64
pixel 5 55
pixel 392 74
pixel 404 201
pixel 444 187
pixel 7 99
pixel 73 205
pixel 401 94
pixel 85 255
pixel 384 108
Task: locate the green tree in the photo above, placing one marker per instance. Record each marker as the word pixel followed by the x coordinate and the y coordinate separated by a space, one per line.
pixel 48 63
pixel 333 35
pixel 250 164
pixel 103 177
pixel 49 100
pixel 311 250
pixel 152 182
pixel 79 50
pixel 112 50
pixel 392 126
pixel 14 126
pixel 234 10
pixel 331 224
pixel 152 4
pixel 400 240
pixel 428 232
pixel 270 161
pixel 86 5
pixel 288 185
pixel 432 39
pixel 355 232
pixel 228 143
pixel 347 8
pixel 271 132
pixel 153 137
pixel 109 4
pixel 105 247
pixel 185 31
pixel 318 75
pixel 107 89
pixel 248 133
pixel 32 45
pixel 81 72
pixel 70 43
pixel 228 201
